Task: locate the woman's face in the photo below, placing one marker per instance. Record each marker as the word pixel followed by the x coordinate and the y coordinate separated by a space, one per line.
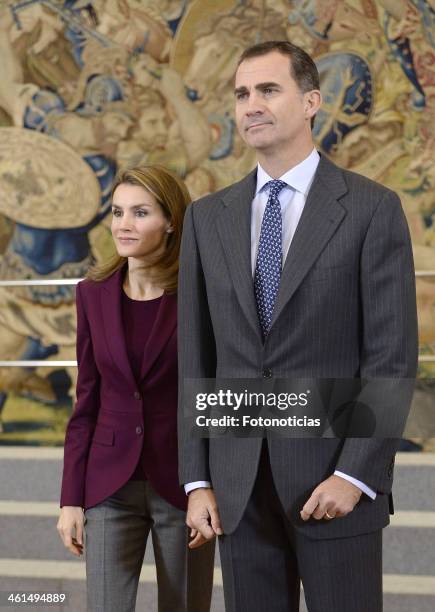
pixel 139 227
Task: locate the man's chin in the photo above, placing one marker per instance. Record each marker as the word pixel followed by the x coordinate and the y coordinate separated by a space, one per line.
pixel 258 143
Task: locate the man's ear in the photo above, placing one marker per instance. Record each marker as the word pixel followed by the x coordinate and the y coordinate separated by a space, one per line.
pixel 313 100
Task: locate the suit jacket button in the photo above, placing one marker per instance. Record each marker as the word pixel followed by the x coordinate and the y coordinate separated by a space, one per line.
pixel 138 430
pixel 137 395
pixel 267 373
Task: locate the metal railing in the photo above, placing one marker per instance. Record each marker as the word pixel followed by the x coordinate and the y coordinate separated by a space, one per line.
pixel 73 281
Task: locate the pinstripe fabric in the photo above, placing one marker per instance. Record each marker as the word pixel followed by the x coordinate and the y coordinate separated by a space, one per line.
pixel 265 558
pixel 342 574
pixel 345 308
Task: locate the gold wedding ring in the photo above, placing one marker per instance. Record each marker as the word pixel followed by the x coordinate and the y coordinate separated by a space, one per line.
pixel 328 516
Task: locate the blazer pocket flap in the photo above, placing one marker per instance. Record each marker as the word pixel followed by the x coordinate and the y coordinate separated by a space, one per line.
pixel 103 435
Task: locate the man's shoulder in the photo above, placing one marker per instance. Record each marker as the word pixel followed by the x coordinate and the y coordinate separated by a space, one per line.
pixel 211 199
pixel 215 199
pixel 358 183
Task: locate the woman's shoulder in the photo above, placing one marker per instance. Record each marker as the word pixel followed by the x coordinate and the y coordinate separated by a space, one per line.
pixel 89 286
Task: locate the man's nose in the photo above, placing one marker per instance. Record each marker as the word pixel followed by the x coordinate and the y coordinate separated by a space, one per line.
pixel 254 105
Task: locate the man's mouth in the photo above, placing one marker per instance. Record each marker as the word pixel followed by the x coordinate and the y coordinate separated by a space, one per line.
pixel 254 125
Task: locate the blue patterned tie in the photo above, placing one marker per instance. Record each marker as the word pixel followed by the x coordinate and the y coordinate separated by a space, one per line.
pixel 269 257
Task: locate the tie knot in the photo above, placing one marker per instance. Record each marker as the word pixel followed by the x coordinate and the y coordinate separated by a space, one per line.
pixel 275 187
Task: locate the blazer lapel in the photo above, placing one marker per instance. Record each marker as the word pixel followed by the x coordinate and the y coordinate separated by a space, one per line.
pixel 320 219
pixel 234 229
pixel 164 326
pixel 113 325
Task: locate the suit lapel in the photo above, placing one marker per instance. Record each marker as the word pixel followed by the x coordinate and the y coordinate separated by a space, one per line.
pixel 113 325
pixel 164 326
pixel 234 229
pixel 320 219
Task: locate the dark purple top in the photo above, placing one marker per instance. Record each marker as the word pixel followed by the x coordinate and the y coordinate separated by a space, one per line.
pixel 138 318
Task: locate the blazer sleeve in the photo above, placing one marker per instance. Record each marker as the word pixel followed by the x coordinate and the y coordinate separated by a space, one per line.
pixel 196 351
pixel 389 335
pixel 81 425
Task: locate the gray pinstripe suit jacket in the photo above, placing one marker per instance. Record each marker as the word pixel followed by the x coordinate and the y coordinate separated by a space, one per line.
pixel 346 308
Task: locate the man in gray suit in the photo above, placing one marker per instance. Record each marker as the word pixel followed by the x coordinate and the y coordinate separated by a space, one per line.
pixel 301 269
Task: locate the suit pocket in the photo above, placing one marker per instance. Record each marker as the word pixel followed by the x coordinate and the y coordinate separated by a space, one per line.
pixel 103 435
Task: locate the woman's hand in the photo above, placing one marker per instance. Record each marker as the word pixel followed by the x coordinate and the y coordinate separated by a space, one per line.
pixel 70 523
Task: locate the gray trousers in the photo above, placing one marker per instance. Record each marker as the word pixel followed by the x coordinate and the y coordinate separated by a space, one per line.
pixel 116 535
pixel 265 559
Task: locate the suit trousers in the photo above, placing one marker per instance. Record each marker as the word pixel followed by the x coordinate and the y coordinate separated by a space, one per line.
pixel 265 559
pixel 116 535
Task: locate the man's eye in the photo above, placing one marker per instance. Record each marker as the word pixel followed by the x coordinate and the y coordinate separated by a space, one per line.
pixel 241 96
pixel 268 90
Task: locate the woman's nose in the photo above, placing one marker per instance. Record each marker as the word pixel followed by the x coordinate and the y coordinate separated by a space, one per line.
pixel 125 223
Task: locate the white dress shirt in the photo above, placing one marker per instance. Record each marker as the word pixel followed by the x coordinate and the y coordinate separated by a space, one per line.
pixel 292 200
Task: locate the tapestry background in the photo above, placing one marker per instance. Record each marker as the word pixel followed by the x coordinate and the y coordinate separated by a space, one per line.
pixel 88 86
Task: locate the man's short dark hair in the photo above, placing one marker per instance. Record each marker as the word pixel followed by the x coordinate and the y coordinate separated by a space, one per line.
pixel 303 70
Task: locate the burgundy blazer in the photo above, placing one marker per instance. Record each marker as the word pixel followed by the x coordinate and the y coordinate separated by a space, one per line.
pixel 114 417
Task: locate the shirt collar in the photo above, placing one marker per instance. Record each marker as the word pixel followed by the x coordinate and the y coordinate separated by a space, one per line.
pixel 299 177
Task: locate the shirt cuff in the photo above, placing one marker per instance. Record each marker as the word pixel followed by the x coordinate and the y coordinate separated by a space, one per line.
pixel 198 484
pixel 364 488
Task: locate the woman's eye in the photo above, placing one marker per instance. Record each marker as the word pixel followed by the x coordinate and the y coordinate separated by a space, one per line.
pixel 141 213
pixel 116 212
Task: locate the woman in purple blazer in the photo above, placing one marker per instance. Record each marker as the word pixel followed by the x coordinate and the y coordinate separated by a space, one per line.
pixel 120 460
